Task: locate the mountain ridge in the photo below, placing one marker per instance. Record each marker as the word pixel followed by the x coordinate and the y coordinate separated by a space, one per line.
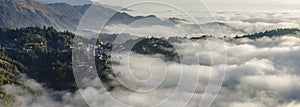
pixel 62 16
pixel 270 33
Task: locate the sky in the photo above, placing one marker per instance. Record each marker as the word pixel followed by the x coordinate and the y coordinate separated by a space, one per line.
pixel 254 4
pixel 222 4
pixel 211 4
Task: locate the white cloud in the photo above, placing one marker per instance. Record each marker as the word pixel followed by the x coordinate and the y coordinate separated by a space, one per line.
pixel 260 73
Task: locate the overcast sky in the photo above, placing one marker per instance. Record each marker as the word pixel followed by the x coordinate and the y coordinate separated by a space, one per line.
pixel 222 4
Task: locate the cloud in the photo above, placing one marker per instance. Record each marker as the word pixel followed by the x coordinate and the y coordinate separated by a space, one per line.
pixel 259 73
pixel 222 23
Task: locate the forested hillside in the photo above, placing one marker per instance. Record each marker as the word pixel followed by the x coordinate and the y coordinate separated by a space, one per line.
pixel 62 16
pixel 46 53
pixel 9 71
pixel 271 33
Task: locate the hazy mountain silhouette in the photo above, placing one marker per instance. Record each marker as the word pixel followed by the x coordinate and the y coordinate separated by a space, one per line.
pixel 62 16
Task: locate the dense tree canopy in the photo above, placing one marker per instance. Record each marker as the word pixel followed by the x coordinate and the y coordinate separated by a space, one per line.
pixel 45 52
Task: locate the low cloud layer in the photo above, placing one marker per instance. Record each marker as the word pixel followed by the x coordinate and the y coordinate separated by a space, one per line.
pixel 227 23
pixel 259 73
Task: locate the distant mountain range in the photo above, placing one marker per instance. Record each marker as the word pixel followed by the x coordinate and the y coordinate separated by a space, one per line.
pixel 271 33
pixel 71 2
pixel 62 16
pixel 81 2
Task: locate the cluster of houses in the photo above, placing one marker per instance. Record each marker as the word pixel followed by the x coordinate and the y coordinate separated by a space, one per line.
pixel 102 51
pixel 11 46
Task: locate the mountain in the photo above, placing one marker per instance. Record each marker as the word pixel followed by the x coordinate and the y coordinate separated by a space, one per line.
pixel 15 13
pixel 45 55
pixel 9 71
pixel 71 2
pixel 271 33
pixel 62 16
pixel 41 50
pixel 41 54
pixel 80 2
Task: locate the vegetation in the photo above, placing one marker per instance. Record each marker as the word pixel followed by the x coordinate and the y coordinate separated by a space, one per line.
pixel 151 46
pixel 9 70
pixel 45 52
pixel 271 33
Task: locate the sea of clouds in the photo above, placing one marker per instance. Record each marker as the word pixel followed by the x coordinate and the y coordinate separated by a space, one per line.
pixel 258 73
pixel 232 23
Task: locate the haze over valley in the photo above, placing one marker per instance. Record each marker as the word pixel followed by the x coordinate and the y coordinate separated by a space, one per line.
pixel 81 53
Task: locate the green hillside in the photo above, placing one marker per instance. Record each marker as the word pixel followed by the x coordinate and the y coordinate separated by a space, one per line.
pixel 9 70
pixel 45 52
